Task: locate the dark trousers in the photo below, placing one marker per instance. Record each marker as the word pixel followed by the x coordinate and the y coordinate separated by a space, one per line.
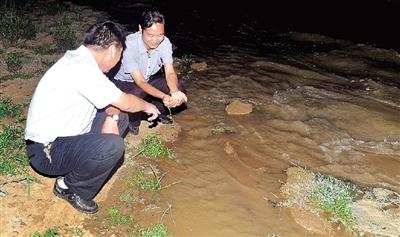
pixel 158 81
pixel 86 161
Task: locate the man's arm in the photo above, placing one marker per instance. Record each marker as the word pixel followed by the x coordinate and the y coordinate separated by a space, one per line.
pixel 172 81
pixel 131 103
pixel 151 90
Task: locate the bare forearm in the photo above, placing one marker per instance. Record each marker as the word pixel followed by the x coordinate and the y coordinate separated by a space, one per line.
pixel 130 103
pixel 172 82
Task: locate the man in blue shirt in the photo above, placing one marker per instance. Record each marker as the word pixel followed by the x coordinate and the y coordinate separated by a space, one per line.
pixel 147 53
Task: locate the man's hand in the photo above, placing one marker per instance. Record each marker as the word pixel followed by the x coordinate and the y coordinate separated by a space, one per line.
pixel 152 111
pixel 179 96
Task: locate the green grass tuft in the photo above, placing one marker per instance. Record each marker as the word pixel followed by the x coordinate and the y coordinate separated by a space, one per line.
pixel 117 218
pixel 159 230
pixel 153 147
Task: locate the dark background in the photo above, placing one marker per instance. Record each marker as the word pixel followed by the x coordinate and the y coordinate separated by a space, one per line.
pixel 211 23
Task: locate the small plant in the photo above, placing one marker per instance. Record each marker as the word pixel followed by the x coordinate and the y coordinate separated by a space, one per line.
pixel 8 108
pixel 117 218
pixel 159 230
pixel 153 147
pixel 14 61
pixel 219 130
pixel 127 197
pixel 75 230
pixel 64 35
pixel 50 232
pixel 145 182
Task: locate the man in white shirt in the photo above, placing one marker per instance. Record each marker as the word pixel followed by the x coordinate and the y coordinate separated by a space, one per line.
pixel 74 126
pixel 149 52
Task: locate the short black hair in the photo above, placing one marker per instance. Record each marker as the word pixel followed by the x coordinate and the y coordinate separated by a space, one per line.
pixel 105 33
pixel 150 17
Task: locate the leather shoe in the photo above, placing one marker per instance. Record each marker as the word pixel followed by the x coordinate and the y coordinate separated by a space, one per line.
pixel 85 206
pixel 165 119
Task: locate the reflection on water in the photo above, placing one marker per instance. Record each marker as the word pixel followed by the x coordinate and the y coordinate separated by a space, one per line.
pixel 334 108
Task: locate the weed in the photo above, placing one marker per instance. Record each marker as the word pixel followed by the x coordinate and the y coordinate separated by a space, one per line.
pixel 315 192
pixel 145 182
pixel 44 49
pixel 17 75
pixel 75 230
pixel 14 61
pixel 117 218
pixel 13 158
pixel 14 25
pixel 63 35
pixel 127 197
pixel 219 130
pixel 49 232
pixel 334 197
pixel 153 147
pixel 9 109
pixel 159 230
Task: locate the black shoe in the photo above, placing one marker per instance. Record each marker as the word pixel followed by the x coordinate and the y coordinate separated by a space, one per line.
pixel 134 129
pixel 88 207
pixel 165 119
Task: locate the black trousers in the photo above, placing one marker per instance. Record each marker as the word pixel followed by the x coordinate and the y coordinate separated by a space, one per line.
pixel 86 161
pixel 158 81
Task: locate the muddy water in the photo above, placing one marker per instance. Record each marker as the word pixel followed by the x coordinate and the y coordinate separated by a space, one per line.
pixel 333 108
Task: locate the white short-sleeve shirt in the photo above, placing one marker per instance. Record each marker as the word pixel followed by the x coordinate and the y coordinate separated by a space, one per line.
pixel 66 99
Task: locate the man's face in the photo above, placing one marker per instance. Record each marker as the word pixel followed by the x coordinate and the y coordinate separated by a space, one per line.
pixel 153 36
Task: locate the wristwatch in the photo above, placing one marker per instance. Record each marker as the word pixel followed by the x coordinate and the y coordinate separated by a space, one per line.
pixel 114 117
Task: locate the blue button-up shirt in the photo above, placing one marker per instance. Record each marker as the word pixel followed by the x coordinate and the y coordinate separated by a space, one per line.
pixel 136 57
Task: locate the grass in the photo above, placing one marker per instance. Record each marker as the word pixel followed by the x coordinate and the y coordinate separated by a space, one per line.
pixel 63 35
pixel 153 147
pixel 323 194
pixel 335 197
pixel 17 75
pixel 159 230
pixel 145 182
pixel 13 159
pixel 14 61
pixel 117 218
pixel 14 23
pixel 49 232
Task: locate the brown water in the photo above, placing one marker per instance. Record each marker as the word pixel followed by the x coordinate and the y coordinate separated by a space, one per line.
pixel 333 109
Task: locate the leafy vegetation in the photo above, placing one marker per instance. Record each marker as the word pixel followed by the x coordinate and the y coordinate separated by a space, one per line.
pixel 159 230
pixel 14 24
pixel 145 182
pixel 13 159
pixel 14 61
pixel 153 147
pixel 63 35
pixel 117 218
pixel 50 232
pixel 320 193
